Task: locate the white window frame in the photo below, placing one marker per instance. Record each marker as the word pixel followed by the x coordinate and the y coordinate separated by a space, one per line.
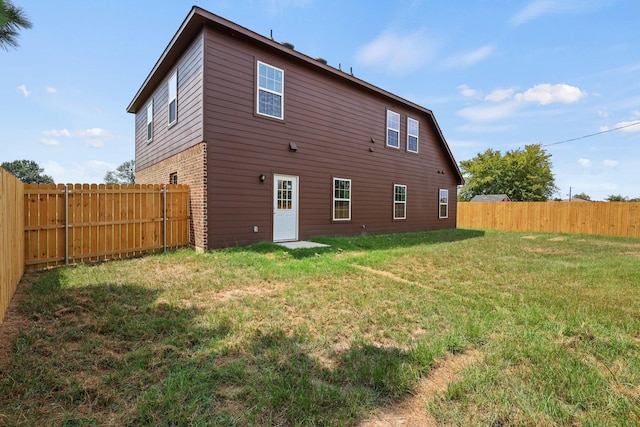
pixel 390 128
pixel 150 121
pixel 341 199
pixel 443 201
pixel 397 202
pixel 263 88
pixel 173 178
pixel 410 134
pixel 172 86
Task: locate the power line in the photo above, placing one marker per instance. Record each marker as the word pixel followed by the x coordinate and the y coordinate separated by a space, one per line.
pixel 592 134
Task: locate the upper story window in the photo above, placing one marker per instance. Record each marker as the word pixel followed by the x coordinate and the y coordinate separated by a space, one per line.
pixel 393 129
pixel 444 204
pixel 270 91
pixel 173 98
pixel 150 121
pixel 341 199
pixel 413 129
pixel 399 201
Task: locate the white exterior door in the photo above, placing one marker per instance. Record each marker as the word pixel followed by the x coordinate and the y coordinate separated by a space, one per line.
pixel 285 208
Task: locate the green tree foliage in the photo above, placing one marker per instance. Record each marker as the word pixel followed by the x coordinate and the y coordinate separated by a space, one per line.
pixel 12 19
pixel 124 174
pixel 523 175
pixel 616 198
pixel 27 171
pixel 583 196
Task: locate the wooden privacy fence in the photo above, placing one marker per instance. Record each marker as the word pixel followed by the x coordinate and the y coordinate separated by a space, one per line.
pixel 11 240
pixel 602 218
pixel 75 223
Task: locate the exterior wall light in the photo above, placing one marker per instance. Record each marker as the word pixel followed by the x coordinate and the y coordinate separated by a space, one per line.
pixel 262 177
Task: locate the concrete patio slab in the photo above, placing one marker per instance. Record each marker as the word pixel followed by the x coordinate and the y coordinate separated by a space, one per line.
pixel 302 244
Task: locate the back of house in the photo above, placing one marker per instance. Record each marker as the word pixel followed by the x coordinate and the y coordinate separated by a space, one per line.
pixel 278 146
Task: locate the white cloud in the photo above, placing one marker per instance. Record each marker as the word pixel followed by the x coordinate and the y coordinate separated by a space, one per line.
pixel 538 8
pixel 467 92
pixel 93 137
pixel 397 53
pixel 584 162
pixel 23 89
pixel 629 126
pixel 92 133
pixel 52 90
pixel 486 113
pixel 499 95
pixel 57 133
pixel 469 58
pixel 533 10
pixel 610 163
pixel 546 93
pixel 51 142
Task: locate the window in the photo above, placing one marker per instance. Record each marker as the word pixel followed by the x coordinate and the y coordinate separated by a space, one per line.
pixel 413 128
pixel 341 199
pixel 444 204
pixel 150 121
pixel 399 201
pixel 270 91
pixel 173 178
pixel 173 98
pixel 285 194
pixel 393 129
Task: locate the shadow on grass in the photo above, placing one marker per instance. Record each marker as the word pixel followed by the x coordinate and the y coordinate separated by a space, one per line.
pixel 119 354
pixel 368 242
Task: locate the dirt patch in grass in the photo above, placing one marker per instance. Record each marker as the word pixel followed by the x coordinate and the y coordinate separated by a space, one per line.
pixel 413 412
pixel 384 274
pixel 237 293
pixel 557 239
pixel 549 251
pixel 14 320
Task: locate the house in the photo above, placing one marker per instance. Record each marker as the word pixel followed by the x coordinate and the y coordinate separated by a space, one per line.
pixel 491 198
pixel 278 146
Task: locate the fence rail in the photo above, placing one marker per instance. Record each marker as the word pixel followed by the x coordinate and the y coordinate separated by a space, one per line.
pixel 620 219
pixel 11 240
pixel 74 223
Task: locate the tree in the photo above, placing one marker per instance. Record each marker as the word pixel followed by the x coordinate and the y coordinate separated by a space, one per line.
pixel 27 171
pixel 523 175
pixel 124 174
pixel 616 198
pixel 583 196
pixel 12 18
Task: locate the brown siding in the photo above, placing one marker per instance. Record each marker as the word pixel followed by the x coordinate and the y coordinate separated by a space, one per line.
pixel 332 123
pixel 187 131
pixel 191 167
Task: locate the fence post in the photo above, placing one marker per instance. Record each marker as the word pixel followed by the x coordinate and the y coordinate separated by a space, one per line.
pixel 164 219
pixel 66 224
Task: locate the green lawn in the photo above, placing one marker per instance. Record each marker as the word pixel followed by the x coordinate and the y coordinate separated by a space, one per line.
pixel 264 336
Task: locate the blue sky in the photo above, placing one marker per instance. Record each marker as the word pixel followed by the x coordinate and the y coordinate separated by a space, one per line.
pixel 496 74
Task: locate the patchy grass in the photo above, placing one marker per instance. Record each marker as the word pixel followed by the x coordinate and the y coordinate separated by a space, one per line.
pixel 264 336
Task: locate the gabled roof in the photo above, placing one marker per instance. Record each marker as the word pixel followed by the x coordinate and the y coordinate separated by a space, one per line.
pixel 198 18
pixel 491 198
